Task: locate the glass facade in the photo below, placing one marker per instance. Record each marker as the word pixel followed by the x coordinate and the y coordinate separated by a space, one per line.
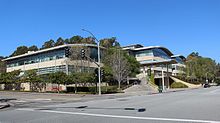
pixel 179 60
pixel 144 53
pixel 164 66
pixel 47 56
pixel 63 68
pixel 146 61
pixel 161 53
pixel 52 69
pixel 94 54
pixel 54 55
pixel 176 67
pixel 153 52
pixel 42 57
pixel 72 68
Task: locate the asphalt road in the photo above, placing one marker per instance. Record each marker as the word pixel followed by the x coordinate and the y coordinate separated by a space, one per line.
pixel 191 106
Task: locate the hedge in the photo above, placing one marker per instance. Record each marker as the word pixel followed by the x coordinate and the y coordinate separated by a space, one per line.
pixel 104 89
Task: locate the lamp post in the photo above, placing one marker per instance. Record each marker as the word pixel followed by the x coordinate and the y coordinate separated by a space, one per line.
pixel 99 67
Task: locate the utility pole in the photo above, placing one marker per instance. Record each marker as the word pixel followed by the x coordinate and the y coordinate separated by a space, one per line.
pixel 99 67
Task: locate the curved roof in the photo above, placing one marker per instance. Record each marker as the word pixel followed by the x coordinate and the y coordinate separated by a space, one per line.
pixel 181 56
pixel 155 47
pixel 48 49
pixel 132 46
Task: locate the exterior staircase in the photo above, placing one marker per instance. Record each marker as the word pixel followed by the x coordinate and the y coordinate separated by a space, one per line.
pixel 143 87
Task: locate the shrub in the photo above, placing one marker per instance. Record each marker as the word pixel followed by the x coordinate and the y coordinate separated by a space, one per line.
pixel 196 82
pixel 92 90
pixel 217 81
pixel 110 89
pixel 178 85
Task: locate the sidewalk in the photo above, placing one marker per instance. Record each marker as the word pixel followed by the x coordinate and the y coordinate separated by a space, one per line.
pixel 155 92
pixel 178 89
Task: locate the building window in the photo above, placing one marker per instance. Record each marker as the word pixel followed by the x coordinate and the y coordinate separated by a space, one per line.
pixel 179 60
pixel 144 53
pixel 47 56
pixel 53 69
pixel 161 53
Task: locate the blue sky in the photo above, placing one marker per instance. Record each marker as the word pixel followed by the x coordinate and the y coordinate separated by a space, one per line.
pixel 183 26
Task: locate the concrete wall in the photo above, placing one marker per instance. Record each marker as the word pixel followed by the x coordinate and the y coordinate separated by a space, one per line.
pixel 2 86
pixel 25 86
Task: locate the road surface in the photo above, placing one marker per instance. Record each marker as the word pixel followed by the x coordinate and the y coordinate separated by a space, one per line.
pixel 191 106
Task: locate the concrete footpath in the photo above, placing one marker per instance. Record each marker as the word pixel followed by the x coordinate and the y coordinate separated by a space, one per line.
pixel 153 92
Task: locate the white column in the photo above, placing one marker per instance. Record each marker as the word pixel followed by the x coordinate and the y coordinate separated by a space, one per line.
pixel 163 80
pixel 67 70
pixel 144 71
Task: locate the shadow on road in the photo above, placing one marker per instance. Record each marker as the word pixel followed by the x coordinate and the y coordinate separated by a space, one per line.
pixel 86 107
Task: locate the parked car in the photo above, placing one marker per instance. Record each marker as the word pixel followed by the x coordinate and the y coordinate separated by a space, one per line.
pixel 206 85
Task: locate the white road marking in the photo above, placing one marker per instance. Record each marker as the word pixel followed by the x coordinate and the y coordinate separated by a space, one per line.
pixel 19 101
pixel 122 117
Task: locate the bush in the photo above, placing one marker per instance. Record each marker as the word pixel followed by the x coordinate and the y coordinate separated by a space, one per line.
pixel 92 90
pixel 82 89
pixel 217 81
pixel 110 89
pixel 178 85
pixel 195 82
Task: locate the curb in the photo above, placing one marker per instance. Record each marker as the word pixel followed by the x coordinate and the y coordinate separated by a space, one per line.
pixel 174 91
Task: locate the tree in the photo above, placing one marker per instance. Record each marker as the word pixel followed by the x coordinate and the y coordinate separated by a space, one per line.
pixel 2 65
pixel 119 65
pixel 58 78
pixel 86 78
pixel 200 68
pixel 134 65
pixel 20 50
pixel 73 79
pixel 59 41
pixel 116 60
pixel 48 44
pixel 88 40
pixel 33 48
pixel 109 42
pixel 81 78
pixel 75 40
pixel 3 78
pixel 44 79
pixel 193 55
pixel 108 74
pixel 34 80
pixel 67 41
pixel 80 40
pixel 217 74
pixel 10 79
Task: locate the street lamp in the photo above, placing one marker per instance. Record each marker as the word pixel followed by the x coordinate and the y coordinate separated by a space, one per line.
pixel 99 67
